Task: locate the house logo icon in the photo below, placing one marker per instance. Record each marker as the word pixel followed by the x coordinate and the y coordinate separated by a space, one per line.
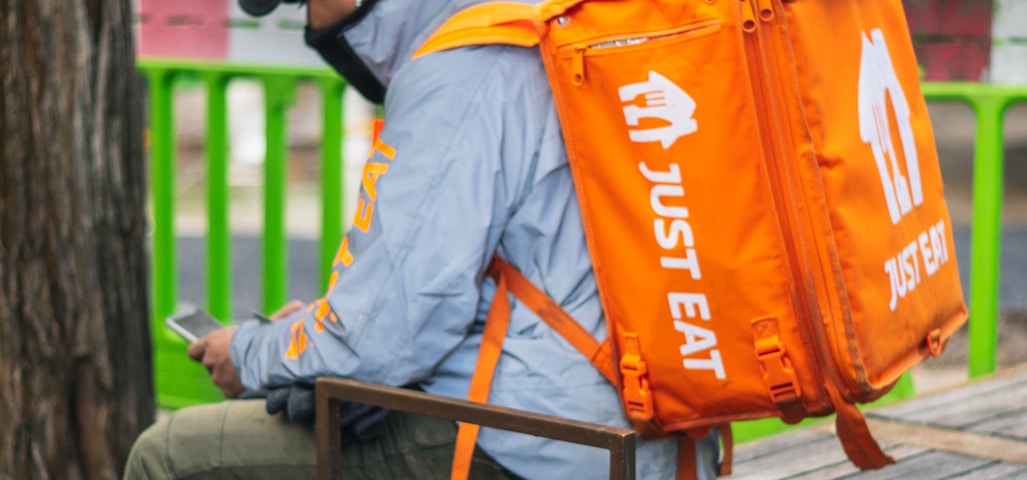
pixel 878 86
pixel 664 100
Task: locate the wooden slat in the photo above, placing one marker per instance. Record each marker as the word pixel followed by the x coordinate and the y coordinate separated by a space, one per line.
pixel 983 387
pixel 786 458
pixel 1012 424
pixel 772 446
pixel 962 412
pixel 931 465
pixel 968 443
pixel 999 471
pixel 821 459
pixel 846 468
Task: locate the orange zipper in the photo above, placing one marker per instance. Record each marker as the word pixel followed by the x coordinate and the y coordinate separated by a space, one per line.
pixel 827 290
pixel 609 44
pixel 776 137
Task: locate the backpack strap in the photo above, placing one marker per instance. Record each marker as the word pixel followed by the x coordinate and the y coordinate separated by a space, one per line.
pixel 508 280
pixel 851 426
pixel 506 23
pixel 727 437
pixel 688 461
pixel 496 325
pixel 557 319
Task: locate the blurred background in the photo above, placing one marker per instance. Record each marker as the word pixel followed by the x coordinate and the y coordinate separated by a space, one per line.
pixel 972 41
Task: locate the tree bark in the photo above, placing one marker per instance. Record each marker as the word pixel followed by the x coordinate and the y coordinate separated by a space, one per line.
pixel 75 356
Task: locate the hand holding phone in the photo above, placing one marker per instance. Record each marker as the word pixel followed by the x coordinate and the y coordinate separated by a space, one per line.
pixel 193 324
pixel 212 352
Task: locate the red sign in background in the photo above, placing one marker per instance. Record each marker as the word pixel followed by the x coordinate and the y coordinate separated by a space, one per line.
pixel 192 29
pixel 952 38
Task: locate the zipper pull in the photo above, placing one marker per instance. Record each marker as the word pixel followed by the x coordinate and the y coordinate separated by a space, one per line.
pixel 748 16
pixel 578 66
pixel 766 10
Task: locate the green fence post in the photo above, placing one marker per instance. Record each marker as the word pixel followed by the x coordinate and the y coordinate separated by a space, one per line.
pixel 162 186
pixel 332 203
pixel 986 234
pixel 219 235
pixel 179 380
pixel 279 93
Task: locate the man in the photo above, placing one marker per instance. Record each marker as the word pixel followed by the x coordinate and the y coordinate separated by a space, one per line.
pixel 470 163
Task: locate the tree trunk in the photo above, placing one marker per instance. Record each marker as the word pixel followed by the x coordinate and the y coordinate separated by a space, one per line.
pixel 75 354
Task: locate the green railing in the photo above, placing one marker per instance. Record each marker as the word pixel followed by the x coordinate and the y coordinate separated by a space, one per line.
pixel 989 103
pixel 179 381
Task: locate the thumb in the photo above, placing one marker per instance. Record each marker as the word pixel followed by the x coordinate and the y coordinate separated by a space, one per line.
pixel 196 349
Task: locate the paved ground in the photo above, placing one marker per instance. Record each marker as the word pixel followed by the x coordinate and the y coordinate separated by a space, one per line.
pixel 954 129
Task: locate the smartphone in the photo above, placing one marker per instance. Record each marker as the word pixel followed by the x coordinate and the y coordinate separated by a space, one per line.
pixel 193 324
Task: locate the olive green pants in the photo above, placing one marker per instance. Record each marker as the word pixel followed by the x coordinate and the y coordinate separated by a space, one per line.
pixel 238 439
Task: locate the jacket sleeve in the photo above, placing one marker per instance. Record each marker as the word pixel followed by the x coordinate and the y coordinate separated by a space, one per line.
pixel 406 284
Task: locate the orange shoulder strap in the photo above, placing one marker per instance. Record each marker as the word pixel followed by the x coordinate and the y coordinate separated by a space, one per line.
pixel 496 325
pixel 557 319
pixel 505 23
pixel 509 280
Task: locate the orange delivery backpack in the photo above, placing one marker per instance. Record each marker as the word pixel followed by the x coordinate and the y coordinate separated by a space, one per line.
pixel 761 198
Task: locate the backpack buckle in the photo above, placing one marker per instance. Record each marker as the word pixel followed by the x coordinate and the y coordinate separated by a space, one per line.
pixel 638 400
pixel 778 376
pixel 778 373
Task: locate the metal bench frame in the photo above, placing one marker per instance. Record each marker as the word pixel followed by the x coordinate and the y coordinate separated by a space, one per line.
pixel 330 391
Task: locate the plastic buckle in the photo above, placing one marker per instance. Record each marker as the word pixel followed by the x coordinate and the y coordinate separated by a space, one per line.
pixel 638 400
pixel 778 374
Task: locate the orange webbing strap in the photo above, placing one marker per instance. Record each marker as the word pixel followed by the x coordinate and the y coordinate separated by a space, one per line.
pixel 509 280
pixel 506 23
pixel 686 459
pixel 687 468
pixel 727 437
pixel 481 382
pixel 859 444
pixel 554 316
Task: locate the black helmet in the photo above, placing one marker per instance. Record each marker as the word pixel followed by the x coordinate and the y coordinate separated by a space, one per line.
pixel 259 8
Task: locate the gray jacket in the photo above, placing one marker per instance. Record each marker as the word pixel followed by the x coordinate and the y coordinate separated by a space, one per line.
pixel 479 168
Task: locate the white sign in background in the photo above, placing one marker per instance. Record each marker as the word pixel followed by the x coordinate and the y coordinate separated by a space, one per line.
pixel 276 40
pixel 1009 37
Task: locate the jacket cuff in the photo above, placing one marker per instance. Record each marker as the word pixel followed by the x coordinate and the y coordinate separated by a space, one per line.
pixel 239 349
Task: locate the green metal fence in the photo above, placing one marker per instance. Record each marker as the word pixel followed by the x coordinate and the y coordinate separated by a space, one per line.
pixel 180 382
pixel 989 103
